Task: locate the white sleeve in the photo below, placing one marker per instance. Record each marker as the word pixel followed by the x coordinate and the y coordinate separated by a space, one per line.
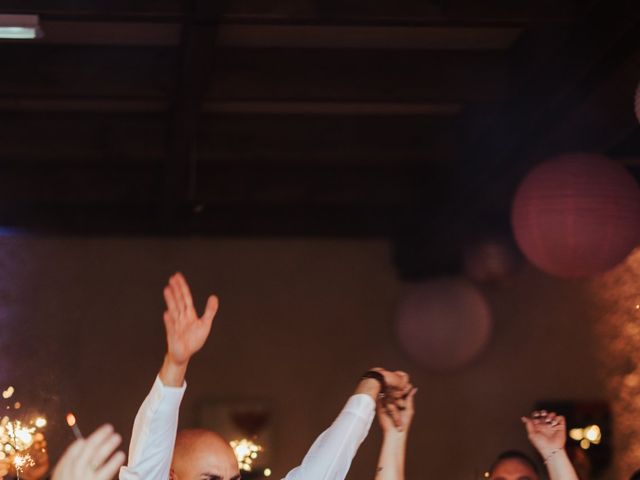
pixel 154 434
pixel 330 456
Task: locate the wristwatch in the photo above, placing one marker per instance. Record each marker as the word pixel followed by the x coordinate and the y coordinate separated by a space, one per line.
pixel 373 374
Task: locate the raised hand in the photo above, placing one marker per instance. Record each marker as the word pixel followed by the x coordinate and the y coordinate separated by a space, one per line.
pixel 186 332
pixel 397 387
pixel 91 458
pixel 394 398
pixel 547 432
pixel 404 414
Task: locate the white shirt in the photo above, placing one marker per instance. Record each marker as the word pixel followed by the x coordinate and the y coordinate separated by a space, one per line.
pixel 154 434
pixel 155 429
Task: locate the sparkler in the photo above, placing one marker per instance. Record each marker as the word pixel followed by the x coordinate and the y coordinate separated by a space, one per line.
pixel 71 421
pixel 18 436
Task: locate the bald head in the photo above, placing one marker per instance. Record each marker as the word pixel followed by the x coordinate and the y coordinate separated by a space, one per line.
pixel 203 455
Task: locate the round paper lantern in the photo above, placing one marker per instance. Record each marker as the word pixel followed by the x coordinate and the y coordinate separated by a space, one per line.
pixel 490 260
pixel 443 324
pixel 577 215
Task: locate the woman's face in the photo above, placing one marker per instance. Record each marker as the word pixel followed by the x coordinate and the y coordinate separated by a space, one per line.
pixel 513 469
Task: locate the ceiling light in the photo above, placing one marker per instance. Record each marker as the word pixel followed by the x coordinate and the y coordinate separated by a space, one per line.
pixel 20 27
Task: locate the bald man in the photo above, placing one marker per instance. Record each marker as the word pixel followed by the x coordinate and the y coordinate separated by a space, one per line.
pixel 157 452
pixel 199 453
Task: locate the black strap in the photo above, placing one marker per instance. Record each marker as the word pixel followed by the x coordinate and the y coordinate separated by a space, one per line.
pixel 377 376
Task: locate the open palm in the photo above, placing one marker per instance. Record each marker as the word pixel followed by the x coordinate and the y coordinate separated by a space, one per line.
pixel 186 332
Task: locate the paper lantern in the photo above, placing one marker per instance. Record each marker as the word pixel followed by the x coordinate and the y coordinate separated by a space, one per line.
pixel 490 260
pixel 577 215
pixel 443 324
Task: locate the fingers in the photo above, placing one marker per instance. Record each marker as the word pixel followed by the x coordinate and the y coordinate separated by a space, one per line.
pixel 542 418
pixel 93 442
pixel 528 423
pixel 210 310
pixel 551 419
pixel 105 449
pixel 170 300
pixel 111 467
pixel 410 403
pixel 183 286
pixel 91 458
pixel 176 290
pixel 169 322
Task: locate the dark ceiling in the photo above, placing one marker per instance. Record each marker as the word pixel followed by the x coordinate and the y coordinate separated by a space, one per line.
pixel 405 119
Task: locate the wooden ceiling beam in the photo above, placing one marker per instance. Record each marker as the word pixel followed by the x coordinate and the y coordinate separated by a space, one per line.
pixel 194 72
pixel 291 75
pixel 389 11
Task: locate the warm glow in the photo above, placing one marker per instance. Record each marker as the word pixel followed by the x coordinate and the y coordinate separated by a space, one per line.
pixel 576 434
pixel 71 419
pixel 593 434
pixel 24 436
pixel 246 451
pixel 618 333
pixel 267 472
pixel 20 461
pixel 585 444
pixel 17 436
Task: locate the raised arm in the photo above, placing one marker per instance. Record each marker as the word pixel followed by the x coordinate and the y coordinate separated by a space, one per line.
pixel 330 456
pixel 155 426
pixel 548 434
pixel 394 442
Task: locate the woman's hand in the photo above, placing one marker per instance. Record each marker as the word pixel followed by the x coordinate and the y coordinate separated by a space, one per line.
pixel 547 432
pixel 404 412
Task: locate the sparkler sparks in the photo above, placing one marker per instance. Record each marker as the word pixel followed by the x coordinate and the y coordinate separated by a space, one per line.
pixel 20 461
pixel 17 436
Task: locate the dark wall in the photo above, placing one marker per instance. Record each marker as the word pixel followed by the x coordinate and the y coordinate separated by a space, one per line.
pixel 299 322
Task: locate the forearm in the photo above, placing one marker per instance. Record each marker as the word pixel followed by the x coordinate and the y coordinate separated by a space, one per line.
pixel 559 466
pixel 330 456
pixel 392 456
pixel 172 373
pixel 154 434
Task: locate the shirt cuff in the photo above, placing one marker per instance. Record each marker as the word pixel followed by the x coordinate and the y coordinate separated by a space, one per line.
pixel 165 397
pixel 361 405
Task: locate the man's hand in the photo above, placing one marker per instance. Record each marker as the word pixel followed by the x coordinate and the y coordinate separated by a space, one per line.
pixel 547 432
pixel 395 396
pixel 91 458
pixel 186 332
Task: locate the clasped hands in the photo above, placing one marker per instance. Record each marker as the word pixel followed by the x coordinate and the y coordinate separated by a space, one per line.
pixel 394 398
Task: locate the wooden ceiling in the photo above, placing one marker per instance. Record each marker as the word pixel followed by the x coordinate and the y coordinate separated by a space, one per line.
pixel 408 119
